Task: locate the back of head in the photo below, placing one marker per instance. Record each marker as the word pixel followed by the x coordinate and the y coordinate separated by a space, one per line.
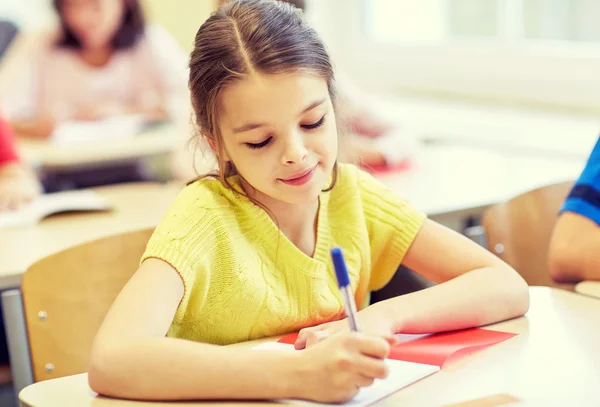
pixel 301 4
pixel 245 37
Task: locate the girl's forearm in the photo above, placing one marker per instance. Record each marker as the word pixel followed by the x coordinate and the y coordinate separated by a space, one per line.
pixel 480 297
pixel 176 369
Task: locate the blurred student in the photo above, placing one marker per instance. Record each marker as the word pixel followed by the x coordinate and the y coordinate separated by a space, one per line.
pixel 103 61
pixel 574 253
pixel 18 184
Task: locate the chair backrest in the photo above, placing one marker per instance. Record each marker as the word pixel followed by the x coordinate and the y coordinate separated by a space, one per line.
pixel 519 231
pixel 66 296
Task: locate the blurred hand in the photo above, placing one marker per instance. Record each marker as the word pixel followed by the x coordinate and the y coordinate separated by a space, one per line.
pixel 40 128
pixel 99 112
pixel 363 151
pixel 370 320
pixel 334 371
pixel 18 186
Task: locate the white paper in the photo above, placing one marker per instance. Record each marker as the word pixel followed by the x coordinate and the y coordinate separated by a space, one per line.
pixel 48 204
pixel 401 374
pixel 113 128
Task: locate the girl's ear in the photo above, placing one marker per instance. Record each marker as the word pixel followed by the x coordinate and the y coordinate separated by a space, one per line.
pixel 213 147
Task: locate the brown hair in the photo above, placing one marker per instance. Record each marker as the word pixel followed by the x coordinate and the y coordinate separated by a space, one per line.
pixel 244 37
pixel 126 36
pixel 301 4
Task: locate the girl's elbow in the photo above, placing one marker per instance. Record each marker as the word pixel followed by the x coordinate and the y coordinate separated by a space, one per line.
pixel 521 301
pixel 517 292
pixel 98 378
pixel 98 381
pixel 102 374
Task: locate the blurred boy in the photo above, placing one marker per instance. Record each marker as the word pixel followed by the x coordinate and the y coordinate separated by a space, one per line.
pixel 574 253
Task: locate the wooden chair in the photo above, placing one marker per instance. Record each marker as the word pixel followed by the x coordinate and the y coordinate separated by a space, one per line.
pixel 519 231
pixel 66 296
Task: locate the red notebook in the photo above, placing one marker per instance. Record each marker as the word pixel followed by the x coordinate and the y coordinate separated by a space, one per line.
pixel 438 349
pixel 385 169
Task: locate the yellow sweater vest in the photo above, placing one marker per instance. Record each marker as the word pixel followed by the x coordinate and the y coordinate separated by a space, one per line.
pixel 245 280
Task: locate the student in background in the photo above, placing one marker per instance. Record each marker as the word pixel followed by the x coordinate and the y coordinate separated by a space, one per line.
pixel 103 61
pixel 574 253
pixel 18 184
pixel 245 254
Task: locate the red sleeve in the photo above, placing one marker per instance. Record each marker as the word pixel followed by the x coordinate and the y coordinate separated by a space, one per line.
pixel 8 152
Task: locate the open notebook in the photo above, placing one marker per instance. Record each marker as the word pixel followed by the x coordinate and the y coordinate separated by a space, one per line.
pixel 401 374
pixel 49 204
pixel 413 358
pixel 113 128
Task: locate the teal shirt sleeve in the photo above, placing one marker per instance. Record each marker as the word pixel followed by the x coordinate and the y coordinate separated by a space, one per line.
pixel 584 198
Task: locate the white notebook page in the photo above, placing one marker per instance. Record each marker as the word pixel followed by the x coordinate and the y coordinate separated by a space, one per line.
pixel 401 374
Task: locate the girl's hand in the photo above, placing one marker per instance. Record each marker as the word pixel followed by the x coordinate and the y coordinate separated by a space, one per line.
pixel 40 128
pixel 18 186
pixel 334 371
pixel 99 112
pixel 371 320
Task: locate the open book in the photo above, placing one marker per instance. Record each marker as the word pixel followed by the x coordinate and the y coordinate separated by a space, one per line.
pixel 112 128
pixel 49 204
pixel 400 375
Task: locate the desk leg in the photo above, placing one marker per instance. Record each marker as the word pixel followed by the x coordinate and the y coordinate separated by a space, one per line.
pixel 477 234
pixel 16 336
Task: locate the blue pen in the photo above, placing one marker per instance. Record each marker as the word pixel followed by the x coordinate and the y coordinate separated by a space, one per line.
pixel 341 273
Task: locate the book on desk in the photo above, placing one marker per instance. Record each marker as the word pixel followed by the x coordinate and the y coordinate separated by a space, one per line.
pixel 54 203
pixel 109 129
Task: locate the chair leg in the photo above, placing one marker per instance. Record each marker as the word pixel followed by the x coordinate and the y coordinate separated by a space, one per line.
pixel 16 336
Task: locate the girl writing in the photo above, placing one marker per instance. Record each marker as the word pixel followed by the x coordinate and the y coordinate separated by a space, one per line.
pixel 246 255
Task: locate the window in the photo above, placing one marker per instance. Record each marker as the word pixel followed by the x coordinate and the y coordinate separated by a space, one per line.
pixel 527 51
pixel 431 21
pixel 492 20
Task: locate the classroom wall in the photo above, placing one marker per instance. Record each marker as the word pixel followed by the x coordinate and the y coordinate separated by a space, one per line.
pixel 181 18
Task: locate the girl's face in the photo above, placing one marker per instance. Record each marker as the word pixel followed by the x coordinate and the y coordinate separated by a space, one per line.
pixel 280 133
pixel 93 22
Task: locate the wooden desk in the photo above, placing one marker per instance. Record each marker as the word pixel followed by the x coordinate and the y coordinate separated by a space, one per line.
pixel 44 154
pixel 555 357
pixel 460 180
pixel 445 180
pixel 590 288
pixel 135 206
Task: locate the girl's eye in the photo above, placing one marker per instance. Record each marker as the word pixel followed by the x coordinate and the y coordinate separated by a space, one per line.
pixel 259 145
pixel 313 125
